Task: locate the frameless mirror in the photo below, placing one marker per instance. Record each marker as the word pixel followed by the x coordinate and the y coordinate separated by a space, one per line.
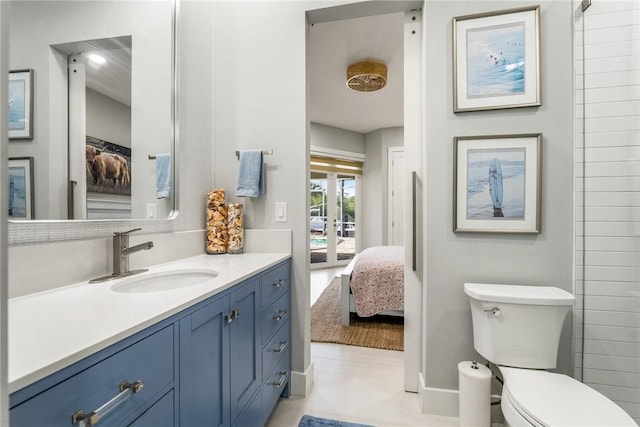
pixel 102 109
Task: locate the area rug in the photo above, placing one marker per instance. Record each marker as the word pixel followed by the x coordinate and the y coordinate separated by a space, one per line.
pixel 309 421
pixel 386 332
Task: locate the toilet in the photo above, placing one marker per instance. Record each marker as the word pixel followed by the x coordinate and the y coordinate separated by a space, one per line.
pixel 518 329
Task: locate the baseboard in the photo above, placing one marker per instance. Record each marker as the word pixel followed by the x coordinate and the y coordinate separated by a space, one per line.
pixel 302 382
pixel 437 401
pixel 440 401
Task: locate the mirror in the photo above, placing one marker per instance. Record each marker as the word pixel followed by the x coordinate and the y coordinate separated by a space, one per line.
pixel 123 108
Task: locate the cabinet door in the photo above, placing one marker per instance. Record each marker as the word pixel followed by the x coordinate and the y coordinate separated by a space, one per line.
pixel 204 381
pixel 245 346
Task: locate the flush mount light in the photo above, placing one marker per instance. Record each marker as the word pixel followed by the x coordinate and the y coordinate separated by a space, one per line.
pixel 366 76
pixel 96 59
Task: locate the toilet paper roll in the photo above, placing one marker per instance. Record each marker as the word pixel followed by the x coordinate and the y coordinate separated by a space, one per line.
pixel 475 394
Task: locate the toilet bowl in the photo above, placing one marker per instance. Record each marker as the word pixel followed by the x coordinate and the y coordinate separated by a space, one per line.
pixel 540 398
pixel 518 329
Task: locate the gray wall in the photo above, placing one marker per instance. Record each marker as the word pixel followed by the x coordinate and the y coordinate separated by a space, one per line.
pixel 455 258
pixel 336 138
pixel 108 119
pixel 374 185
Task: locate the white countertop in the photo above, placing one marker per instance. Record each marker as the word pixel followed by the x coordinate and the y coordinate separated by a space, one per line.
pixel 51 330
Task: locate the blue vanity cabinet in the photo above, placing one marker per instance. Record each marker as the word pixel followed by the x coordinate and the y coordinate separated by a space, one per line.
pixel 93 382
pixel 220 369
pixel 276 335
pixel 203 378
pixel 245 365
pixel 222 362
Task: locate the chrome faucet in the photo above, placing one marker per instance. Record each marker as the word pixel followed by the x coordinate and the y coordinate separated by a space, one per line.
pixel 121 252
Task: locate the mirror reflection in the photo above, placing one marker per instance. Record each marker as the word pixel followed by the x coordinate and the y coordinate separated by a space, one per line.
pixel 102 107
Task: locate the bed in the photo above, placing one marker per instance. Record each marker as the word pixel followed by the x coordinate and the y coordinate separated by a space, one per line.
pixel 373 283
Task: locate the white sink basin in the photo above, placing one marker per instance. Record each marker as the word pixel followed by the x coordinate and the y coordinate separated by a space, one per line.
pixel 164 281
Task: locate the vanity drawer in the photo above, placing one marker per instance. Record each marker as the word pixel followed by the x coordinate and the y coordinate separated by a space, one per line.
pixel 273 351
pixel 150 360
pixel 274 283
pixel 276 383
pixel 275 316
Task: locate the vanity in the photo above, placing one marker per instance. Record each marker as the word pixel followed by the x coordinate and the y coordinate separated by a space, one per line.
pixel 212 351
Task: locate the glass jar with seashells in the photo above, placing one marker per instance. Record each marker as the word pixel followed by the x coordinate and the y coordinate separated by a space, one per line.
pixel 217 230
pixel 235 228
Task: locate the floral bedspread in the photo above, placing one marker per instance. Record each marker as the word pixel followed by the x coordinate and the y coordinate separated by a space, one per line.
pixel 377 280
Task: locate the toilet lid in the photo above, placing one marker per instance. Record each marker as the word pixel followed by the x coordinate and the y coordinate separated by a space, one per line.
pixel 559 400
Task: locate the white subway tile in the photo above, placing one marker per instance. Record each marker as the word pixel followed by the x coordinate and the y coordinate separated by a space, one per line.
pixel 623 364
pixel 613 303
pixel 610 20
pixel 611 326
pixel 613 348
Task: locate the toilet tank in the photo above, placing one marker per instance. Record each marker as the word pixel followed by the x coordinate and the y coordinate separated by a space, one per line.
pixel 518 326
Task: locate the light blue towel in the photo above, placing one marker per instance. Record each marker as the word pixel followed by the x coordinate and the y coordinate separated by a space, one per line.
pixel 251 176
pixel 163 175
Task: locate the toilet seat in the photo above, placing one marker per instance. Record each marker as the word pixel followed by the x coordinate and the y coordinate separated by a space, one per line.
pixel 546 399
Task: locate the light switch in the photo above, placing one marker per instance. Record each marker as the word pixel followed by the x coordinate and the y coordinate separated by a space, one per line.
pixel 281 211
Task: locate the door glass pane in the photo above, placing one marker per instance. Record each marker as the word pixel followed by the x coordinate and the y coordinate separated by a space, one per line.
pixel 318 217
pixel 346 214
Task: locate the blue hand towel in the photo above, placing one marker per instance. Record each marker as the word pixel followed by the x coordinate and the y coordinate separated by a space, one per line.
pixel 163 175
pixel 251 176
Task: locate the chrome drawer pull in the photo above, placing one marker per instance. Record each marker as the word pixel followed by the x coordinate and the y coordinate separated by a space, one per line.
pixel 283 345
pixel 92 418
pixel 281 313
pixel 279 283
pixel 283 378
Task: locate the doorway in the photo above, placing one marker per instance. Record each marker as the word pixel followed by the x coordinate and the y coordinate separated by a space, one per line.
pixel 346 116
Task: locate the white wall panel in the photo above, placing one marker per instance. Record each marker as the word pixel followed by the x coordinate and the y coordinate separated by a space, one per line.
pixel 607 171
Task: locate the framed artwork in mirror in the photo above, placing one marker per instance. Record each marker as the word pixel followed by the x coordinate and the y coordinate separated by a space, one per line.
pixel 496 60
pixel 21 205
pixel 21 104
pixel 108 167
pixel 497 183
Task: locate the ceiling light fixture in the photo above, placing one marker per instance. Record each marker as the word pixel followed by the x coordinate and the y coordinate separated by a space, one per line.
pixel 366 76
pixel 97 59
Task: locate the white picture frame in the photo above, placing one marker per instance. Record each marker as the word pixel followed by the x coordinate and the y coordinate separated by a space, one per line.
pixel 496 60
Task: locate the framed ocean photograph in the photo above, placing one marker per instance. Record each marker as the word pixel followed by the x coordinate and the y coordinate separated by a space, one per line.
pixel 497 183
pixel 21 193
pixel 496 60
pixel 21 104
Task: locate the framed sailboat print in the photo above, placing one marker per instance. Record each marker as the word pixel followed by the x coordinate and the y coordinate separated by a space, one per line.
pixel 497 183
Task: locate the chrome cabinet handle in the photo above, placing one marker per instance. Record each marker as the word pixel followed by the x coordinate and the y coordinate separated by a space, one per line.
pixel 283 345
pixel 283 378
pixel 92 418
pixel 281 313
pixel 280 283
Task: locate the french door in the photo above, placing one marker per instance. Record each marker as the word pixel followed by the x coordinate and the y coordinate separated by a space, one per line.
pixel 333 218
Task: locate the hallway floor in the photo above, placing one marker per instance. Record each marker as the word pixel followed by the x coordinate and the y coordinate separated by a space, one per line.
pixel 357 384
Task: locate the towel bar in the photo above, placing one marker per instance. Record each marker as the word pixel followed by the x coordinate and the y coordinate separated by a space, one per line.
pixel 264 153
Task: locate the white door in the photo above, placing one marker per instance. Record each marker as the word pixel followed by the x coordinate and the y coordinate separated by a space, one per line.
pixel 396 196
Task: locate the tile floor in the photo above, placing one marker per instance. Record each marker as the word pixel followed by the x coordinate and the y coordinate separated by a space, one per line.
pixel 355 384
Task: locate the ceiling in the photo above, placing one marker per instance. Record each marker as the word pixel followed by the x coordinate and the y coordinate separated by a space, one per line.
pixel 333 46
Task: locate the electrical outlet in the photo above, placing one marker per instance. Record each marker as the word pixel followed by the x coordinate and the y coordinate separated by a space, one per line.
pixel 151 210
